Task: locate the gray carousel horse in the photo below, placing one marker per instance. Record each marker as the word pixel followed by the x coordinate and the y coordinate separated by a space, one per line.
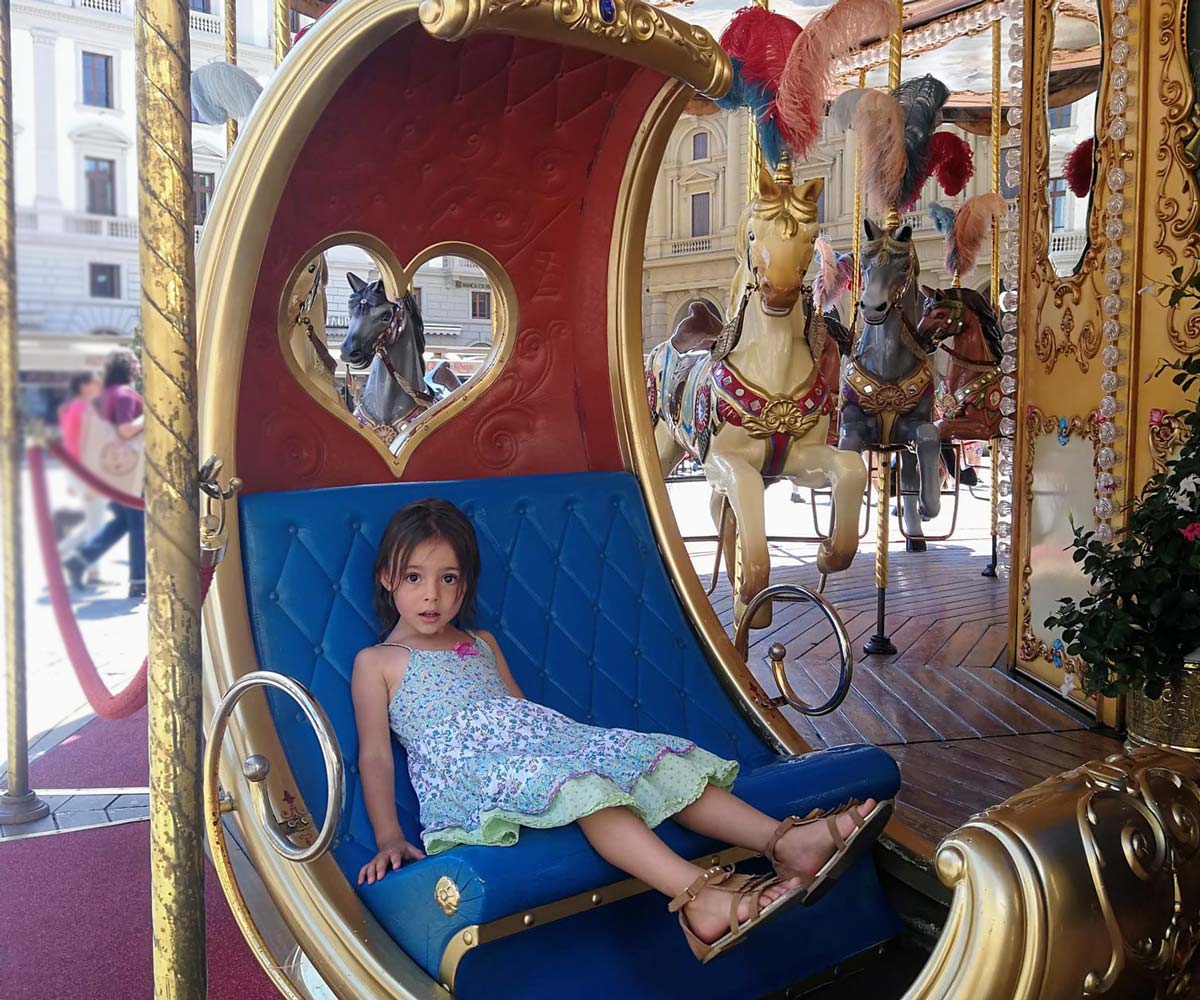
pixel 390 337
pixel 887 384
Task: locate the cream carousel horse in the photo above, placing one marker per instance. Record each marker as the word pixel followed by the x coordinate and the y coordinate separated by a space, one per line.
pixel 306 306
pixel 756 406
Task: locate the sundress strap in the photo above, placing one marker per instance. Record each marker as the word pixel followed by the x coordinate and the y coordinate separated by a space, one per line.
pixel 398 645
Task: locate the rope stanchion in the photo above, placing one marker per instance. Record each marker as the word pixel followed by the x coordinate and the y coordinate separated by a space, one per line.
pixel 93 481
pixel 104 702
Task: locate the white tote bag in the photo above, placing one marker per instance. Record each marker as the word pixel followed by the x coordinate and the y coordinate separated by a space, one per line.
pixel 118 462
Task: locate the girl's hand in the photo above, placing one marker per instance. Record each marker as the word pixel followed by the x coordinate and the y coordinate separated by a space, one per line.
pixel 391 855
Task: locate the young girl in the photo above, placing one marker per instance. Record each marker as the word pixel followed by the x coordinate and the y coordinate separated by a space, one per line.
pixel 484 761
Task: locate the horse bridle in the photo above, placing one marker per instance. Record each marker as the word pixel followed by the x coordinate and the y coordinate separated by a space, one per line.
pixel 424 397
pixel 908 330
pixel 957 308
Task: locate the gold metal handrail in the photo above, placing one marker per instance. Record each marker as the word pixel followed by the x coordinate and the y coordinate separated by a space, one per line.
pixel 778 652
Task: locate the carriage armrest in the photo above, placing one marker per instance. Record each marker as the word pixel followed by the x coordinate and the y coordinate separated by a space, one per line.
pixel 545 866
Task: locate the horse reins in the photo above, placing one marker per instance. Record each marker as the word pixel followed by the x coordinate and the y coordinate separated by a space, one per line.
pixel 424 398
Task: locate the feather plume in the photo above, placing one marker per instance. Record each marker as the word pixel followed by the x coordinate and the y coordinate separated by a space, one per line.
pixel 943 218
pixel 951 160
pixel 841 111
pixel 221 91
pixel 761 101
pixel 808 74
pixel 922 100
pixel 834 274
pixel 1077 168
pixel 761 40
pixel 879 122
pixel 972 225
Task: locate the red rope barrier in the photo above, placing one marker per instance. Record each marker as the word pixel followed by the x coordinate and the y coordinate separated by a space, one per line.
pixel 104 703
pixel 93 481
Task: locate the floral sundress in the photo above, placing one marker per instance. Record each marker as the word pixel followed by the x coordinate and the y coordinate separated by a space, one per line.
pixel 484 763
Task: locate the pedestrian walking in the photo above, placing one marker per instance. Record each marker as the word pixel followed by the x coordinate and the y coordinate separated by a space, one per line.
pixel 85 390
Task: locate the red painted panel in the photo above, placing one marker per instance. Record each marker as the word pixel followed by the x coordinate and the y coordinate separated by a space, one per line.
pixel 513 145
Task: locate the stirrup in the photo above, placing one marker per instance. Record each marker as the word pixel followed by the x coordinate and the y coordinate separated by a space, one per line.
pixel 791 822
pixel 740 887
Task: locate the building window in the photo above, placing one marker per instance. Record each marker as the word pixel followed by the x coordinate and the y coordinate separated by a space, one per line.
pixel 1057 190
pixel 481 305
pixel 416 293
pixel 97 80
pixel 101 188
pixel 700 146
pixel 201 5
pixel 700 220
pixel 202 192
pixel 821 207
pixel 1059 117
pixel 104 281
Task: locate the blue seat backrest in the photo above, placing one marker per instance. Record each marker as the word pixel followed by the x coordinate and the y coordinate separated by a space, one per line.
pixel 572 585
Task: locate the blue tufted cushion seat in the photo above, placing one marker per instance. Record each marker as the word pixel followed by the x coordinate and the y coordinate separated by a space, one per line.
pixel 575 590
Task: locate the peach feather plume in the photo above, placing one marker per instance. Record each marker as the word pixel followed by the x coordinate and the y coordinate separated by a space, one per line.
pixel 808 73
pixel 972 226
pixel 827 277
pixel 879 124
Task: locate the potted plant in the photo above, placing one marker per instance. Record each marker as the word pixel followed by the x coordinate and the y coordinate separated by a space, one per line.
pixel 1138 631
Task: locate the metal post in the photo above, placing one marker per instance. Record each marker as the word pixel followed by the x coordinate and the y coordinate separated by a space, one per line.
pixel 18 804
pixel 990 569
pixel 168 317
pixel 283 29
pixel 895 50
pixel 858 210
pixel 231 128
pixel 880 643
pixel 754 148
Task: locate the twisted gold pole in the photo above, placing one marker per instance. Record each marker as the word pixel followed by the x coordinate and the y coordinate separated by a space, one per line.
pixel 883 489
pixel 168 319
pixel 895 50
pixel 231 128
pixel 18 804
pixel 858 205
pixel 754 159
pixel 283 29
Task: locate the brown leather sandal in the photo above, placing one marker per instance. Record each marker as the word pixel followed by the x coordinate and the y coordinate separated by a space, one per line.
pixel 739 887
pixel 791 822
pixel 848 849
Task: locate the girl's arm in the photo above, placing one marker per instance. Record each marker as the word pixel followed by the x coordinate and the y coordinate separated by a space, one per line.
pixel 376 766
pixel 501 664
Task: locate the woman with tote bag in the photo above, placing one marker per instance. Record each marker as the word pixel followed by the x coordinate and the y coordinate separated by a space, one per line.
pixel 111 445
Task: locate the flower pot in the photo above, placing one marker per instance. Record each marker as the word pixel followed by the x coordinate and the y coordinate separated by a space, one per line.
pixel 1173 721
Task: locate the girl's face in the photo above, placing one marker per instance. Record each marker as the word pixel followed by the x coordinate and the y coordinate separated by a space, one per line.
pixel 428 592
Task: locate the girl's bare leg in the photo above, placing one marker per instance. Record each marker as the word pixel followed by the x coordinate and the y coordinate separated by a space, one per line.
pixel 723 816
pixel 622 839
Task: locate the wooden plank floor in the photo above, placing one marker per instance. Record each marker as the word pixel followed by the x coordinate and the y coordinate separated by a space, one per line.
pixel 965 733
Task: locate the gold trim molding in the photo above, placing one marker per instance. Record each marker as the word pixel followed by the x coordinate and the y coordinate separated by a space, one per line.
pixel 1083 885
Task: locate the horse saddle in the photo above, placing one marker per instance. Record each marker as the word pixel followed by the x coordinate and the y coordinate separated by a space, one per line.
pixel 698 330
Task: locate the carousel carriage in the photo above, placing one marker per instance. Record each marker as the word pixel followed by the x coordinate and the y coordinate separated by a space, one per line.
pixel 526 136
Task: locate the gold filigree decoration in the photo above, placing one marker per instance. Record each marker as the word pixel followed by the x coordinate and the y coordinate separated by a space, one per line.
pixel 446 893
pixel 1167 435
pixel 1176 201
pixel 1037 423
pixel 1050 348
pixel 1140 829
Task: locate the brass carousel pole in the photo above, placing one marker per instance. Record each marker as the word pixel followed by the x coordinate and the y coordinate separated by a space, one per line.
pixel 283 29
pixel 754 158
pixel 858 206
pixel 18 804
pixel 172 497
pixel 994 445
pixel 231 128
pixel 880 643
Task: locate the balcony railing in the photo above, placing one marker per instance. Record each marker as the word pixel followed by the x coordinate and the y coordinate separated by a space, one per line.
pixel 698 244
pixel 207 24
pixel 113 227
pixel 1068 242
pixel 106 6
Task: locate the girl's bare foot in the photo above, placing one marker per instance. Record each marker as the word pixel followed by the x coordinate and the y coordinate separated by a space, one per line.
pixel 708 913
pixel 806 848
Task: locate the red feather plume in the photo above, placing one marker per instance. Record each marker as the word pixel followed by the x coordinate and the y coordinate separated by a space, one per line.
pixel 762 40
pixel 951 161
pixel 1077 168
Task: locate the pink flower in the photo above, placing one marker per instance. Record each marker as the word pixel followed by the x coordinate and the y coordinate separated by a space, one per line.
pixel 1156 417
pixel 465 649
pixel 1192 531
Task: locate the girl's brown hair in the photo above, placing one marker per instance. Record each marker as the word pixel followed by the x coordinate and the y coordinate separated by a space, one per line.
pixel 411 526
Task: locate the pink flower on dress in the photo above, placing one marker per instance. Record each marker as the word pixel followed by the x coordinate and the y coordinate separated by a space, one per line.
pixel 1192 531
pixel 465 649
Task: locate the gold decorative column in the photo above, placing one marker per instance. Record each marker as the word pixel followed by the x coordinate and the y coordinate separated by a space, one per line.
pixel 997 112
pixel 168 319
pixel 895 50
pixel 754 158
pixel 231 128
pixel 18 804
pixel 858 209
pixel 880 643
pixel 283 29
